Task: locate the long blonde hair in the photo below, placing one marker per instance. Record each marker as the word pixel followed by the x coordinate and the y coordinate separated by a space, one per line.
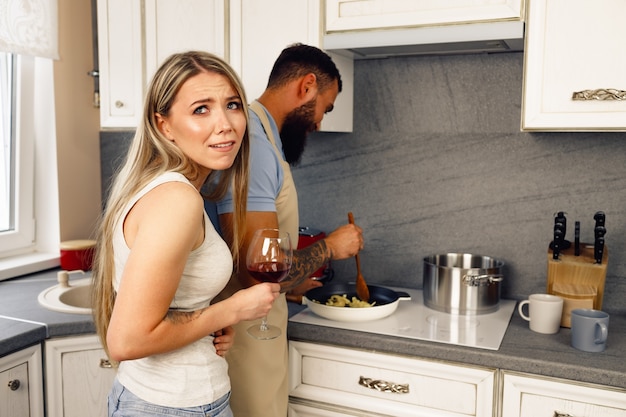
pixel 151 154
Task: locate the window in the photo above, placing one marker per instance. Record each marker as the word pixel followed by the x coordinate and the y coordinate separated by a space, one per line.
pixel 6 143
pixel 27 166
pixel 16 189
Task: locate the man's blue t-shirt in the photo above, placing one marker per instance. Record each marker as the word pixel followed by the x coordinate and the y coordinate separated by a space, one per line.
pixel 266 173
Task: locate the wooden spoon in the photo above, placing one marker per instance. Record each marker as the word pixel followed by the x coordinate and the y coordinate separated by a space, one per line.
pixel 362 291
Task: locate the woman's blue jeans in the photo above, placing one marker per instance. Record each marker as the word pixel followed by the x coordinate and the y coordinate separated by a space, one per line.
pixel 123 403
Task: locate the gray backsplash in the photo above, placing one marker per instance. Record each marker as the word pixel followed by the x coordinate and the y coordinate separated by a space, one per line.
pixel 437 164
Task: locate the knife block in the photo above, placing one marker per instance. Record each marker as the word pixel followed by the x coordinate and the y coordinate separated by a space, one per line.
pixel 579 280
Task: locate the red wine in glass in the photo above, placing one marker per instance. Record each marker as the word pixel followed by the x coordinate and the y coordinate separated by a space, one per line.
pixel 269 271
pixel 268 259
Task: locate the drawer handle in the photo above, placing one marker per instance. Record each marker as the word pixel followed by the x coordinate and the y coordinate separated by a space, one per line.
pixel 602 94
pixel 384 386
pixel 105 363
pixel 557 414
pixel 14 384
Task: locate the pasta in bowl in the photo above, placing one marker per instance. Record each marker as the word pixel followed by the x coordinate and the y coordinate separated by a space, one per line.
pixel 339 302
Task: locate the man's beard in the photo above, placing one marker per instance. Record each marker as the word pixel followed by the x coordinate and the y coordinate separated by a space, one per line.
pixel 296 127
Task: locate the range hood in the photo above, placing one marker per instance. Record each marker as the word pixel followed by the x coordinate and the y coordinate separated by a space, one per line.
pixel 484 37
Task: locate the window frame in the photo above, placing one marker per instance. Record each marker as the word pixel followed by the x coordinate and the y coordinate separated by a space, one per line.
pixel 33 246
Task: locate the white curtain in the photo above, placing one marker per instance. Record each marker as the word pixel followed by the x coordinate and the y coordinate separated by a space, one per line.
pixel 29 27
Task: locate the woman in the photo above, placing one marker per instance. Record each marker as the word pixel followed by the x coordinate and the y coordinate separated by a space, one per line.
pixel 159 260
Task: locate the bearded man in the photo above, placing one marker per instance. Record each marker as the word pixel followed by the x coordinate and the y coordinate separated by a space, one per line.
pixel 302 87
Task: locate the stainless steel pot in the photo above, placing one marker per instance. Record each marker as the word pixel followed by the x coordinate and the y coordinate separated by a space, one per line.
pixel 462 283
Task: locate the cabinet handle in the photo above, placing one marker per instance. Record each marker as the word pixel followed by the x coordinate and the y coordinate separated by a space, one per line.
pixel 600 94
pixel 14 384
pixel 558 414
pixel 105 363
pixel 119 104
pixel 384 386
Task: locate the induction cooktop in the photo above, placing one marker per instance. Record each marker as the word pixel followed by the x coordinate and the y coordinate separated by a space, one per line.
pixel 413 320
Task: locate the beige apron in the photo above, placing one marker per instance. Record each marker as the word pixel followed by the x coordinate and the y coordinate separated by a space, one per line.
pixel 258 369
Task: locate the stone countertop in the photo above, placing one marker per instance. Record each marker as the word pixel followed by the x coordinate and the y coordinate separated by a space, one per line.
pixel 521 350
pixel 23 322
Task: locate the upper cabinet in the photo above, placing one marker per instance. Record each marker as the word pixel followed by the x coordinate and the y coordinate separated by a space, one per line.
pixel 574 69
pixel 364 29
pixel 176 26
pixel 134 36
pixel 260 30
pixel 120 62
pixel 344 15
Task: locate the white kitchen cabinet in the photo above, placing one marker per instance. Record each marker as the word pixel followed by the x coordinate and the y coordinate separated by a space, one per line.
pixel 120 62
pixel 357 382
pixel 533 396
pixel 260 30
pixel 348 15
pixel 300 408
pixel 574 66
pixel 135 36
pixel 79 377
pixel 177 26
pixel 21 384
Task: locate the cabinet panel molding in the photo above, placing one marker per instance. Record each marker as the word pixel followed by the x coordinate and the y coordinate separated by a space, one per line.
pixel 573 68
pixel 21 384
pixel 332 375
pixel 346 15
pixel 531 396
pixel 78 378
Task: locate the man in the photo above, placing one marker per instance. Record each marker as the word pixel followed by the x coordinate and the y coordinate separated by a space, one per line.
pixel 302 87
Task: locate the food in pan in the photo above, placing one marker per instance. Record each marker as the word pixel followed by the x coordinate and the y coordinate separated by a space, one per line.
pixel 337 300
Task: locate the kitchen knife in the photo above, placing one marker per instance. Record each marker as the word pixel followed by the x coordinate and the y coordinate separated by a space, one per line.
pixel 598 249
pixel 600 218
pixel 598 245
pixel 557 243
pixel 577 238
pixel 561 221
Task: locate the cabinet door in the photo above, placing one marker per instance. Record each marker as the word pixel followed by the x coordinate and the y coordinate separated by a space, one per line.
pixel 529 396
pixel 260 30
pixel 120 58
pixel 574 66
pixel 313 409
pixel 21 384
pixel 177 26
pixel 14 391
pixel 342 15
pixel 388 384
pixel 78 377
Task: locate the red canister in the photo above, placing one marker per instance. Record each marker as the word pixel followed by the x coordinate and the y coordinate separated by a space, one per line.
pixel 306 237
pixel 77 254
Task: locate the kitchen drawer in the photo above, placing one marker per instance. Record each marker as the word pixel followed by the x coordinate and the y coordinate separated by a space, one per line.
pixel 388 384
pixel 533 396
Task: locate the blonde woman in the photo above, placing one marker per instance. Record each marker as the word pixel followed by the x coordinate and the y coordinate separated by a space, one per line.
pixel 159 260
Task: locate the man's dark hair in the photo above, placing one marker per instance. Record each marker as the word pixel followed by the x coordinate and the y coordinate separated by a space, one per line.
pixel 298 60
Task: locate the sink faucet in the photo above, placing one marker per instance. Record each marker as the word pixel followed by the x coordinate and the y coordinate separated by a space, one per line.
pixel 63 277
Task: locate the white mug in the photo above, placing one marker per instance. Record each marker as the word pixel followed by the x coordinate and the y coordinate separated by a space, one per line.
pixel 544 312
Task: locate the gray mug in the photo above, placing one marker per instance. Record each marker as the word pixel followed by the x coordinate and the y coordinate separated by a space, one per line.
pixel 590 329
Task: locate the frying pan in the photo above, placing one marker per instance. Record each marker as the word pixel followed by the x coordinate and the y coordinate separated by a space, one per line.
pixel 385 298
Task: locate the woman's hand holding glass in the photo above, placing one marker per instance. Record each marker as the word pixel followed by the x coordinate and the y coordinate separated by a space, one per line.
pixel 269 259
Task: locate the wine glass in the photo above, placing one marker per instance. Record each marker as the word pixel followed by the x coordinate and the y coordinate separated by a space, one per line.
pixel 268 259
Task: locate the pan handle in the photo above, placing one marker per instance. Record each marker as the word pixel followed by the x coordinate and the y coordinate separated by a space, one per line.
pixel 481 280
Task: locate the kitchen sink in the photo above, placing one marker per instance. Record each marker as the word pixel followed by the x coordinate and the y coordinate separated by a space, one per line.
pixel 68 296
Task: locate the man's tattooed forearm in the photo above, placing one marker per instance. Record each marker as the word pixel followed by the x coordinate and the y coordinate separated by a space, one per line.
pixel 306 261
